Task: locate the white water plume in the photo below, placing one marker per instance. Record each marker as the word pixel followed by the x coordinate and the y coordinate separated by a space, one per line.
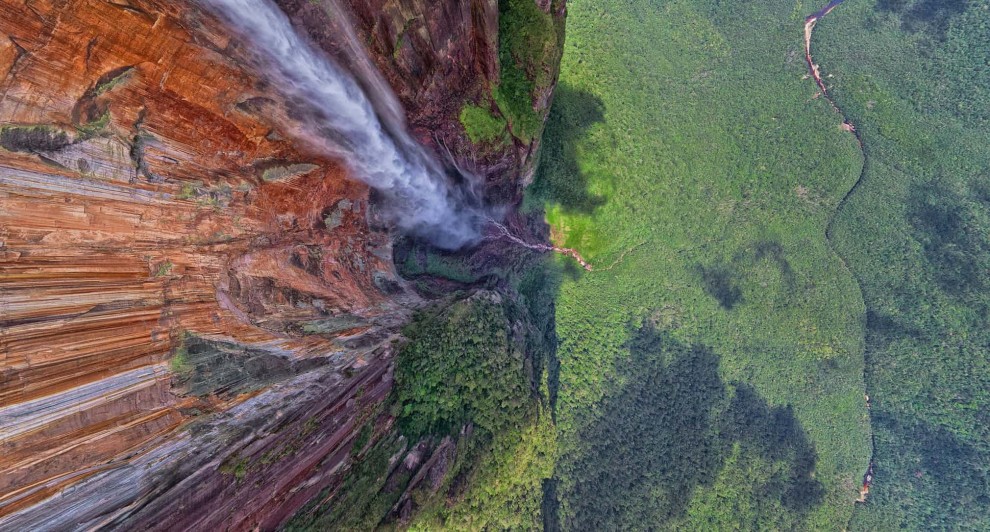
pixel 339 120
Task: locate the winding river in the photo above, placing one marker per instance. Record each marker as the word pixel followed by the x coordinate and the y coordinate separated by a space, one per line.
pixel 809 26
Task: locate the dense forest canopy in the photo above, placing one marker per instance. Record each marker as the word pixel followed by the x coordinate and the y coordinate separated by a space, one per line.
pixel 913 75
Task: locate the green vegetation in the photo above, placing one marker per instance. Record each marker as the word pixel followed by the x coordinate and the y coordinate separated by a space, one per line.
pixel 914 77
pixel 688 160
pixel 218 197
pixel 179 363
pixel 235 465
pixel 506 489
pixel 464 380
pixel 670 430
pixel 481 125
pixel 91 129
pixel 204 367
pixel 164 269
pixel 188 191
pixel 438 264
pixel 529 46
pixel 363 498
pixel 110 80
pixel 362 438
pixel 710 370
pixel 561 180
pixel 497 482
pixel 462 368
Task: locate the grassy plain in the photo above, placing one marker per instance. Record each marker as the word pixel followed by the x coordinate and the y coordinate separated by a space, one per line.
pixel 914 76
pixel 689 160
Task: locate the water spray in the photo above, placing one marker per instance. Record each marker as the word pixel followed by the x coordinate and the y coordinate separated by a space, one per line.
pixel 341 121
pixel 336 117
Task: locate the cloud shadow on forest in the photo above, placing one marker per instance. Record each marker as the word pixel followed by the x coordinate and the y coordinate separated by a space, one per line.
pixel 559 178
pixel 930 16
pixel 669 430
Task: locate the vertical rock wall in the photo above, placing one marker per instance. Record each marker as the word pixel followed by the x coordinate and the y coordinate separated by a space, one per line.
pixel 197 315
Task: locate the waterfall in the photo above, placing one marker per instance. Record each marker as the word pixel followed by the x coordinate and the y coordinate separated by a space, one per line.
pixel 341 121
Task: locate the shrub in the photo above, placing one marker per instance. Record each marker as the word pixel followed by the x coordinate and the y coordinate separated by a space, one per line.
pixel 481 125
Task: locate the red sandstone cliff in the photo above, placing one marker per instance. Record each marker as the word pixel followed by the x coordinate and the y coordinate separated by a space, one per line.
pixel 195 313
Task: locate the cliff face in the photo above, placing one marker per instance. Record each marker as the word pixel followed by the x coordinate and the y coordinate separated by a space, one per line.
pixel 439 56
pixel 196 315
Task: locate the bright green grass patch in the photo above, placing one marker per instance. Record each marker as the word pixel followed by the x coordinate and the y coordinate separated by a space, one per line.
pixel 689 160
pixel 164 268
pixel 179 363
pixel 481 125
pixel 914 76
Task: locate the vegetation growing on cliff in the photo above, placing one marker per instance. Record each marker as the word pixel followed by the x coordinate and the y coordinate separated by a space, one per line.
pixel 711 367
pixel 530 44
pixel 203 367
pixel 690 162
pixel 913 76
pixel 481 125
pixel 504 492
pixel 470 386
pixel 460 368
pixel 32 138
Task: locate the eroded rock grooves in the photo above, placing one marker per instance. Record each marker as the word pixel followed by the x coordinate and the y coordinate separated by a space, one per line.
pixel 195 311
pixel 146 221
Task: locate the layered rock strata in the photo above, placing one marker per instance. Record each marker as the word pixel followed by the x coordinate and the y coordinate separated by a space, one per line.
pixel 196 314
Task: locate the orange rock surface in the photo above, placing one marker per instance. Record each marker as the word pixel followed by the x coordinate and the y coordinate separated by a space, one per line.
pixel 148 194
pixel 196 313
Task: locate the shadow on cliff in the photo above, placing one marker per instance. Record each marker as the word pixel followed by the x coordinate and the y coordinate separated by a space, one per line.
pixel 530 280
pixel 559 179
pixel 669 430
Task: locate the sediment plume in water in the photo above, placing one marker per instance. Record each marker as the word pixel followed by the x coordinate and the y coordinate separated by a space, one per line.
pixel 339 119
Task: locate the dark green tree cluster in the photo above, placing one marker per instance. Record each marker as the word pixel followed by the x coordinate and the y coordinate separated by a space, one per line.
pixel 951 221
pixel 669 430
pixel 460 367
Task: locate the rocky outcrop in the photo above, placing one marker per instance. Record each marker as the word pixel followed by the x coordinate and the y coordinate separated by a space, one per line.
pixel 196 312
